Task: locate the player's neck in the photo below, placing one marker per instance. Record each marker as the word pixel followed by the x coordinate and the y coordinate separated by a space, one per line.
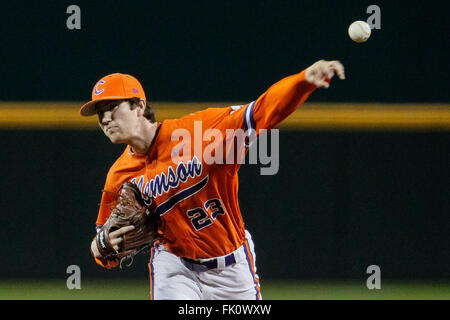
pixel 141 142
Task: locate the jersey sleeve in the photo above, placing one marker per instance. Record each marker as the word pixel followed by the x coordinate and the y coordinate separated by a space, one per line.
pixel 114 179
pixel 268 110
pixel 278 102
pixel 242 123
pixel 103 215
pixel 106 204
pixel 273 106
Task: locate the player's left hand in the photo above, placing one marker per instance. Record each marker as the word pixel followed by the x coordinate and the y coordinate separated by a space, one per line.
pixel 321 72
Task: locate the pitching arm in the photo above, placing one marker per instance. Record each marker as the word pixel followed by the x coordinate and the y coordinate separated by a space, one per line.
pixel 288 94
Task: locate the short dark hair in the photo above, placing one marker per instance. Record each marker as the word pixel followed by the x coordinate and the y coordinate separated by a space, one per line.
pixel 149 113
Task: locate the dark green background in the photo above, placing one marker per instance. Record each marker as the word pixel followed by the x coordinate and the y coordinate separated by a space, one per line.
pixel 341 200
pixel 223 50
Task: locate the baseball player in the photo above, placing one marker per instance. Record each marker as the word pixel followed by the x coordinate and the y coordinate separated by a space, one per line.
pixel 204 250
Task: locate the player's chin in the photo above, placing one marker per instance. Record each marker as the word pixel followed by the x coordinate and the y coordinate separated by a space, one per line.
pixel 115 138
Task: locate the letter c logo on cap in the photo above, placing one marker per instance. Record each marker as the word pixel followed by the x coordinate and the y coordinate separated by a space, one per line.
pixel 96 91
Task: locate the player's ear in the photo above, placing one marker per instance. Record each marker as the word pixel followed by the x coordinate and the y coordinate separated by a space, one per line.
pixel 141 106
pixel 142 103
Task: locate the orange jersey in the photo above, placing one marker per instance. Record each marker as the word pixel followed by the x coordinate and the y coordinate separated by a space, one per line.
pixel 198 200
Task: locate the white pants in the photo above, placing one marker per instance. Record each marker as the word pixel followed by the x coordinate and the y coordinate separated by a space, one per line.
pixel 172 279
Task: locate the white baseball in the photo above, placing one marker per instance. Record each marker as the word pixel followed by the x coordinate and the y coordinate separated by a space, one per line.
pixel 359 31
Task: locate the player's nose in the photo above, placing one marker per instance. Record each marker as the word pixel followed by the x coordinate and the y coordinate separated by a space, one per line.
pixel 106 117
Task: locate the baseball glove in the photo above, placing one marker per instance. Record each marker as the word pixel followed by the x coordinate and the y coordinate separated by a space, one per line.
pixel 129 210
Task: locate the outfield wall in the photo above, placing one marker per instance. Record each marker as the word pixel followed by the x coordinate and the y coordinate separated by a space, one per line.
pixel 346 196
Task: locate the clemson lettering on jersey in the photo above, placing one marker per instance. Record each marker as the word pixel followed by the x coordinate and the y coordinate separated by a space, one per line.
pixel 163 182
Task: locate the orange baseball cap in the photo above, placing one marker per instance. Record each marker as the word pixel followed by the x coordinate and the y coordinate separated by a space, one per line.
pixel 115 86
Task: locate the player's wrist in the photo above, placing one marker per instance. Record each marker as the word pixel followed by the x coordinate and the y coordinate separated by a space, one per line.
pixel 305 78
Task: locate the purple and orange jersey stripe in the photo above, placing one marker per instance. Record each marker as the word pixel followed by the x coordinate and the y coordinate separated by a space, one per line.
pixel 151 269
pixel 251 266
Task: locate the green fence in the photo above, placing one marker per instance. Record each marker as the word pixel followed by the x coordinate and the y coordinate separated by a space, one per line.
pixel 340 202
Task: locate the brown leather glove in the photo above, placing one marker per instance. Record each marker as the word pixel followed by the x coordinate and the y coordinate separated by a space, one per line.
pixel 130 210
